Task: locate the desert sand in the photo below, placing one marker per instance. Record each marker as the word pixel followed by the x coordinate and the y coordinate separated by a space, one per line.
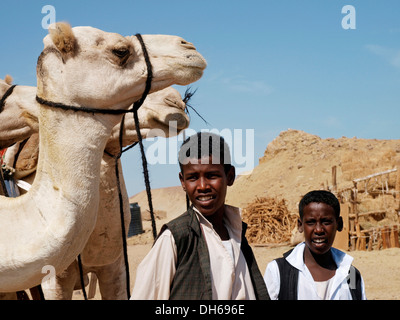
pixel 380 269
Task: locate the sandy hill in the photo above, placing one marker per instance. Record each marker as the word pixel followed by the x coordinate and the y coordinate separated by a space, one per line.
pixel 296 162
pixel 168 203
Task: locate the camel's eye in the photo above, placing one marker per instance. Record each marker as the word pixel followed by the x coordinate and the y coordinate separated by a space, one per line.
pixel 121 53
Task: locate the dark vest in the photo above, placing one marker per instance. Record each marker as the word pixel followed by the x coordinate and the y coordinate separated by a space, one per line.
pixel 192 279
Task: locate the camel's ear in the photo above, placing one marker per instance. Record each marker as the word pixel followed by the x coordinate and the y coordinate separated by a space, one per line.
pixel 63 38
pixel 8 79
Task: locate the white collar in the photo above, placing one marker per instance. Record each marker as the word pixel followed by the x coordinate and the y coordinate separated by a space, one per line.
pixel 342 259
pixel 232 220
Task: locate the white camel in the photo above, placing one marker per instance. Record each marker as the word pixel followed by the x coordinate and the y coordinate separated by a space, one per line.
pixel 163 110
pixel 83 66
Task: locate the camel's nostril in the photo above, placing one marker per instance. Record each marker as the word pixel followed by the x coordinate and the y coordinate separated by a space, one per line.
pixel 187 45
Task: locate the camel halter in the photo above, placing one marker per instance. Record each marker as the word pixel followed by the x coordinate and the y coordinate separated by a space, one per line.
pixel 134 110
pixel 5 96
pixel 136 105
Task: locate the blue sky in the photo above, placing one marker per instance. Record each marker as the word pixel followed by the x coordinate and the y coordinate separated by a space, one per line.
pixel 272 64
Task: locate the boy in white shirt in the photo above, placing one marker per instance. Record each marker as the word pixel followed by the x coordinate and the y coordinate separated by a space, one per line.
pixel 314 270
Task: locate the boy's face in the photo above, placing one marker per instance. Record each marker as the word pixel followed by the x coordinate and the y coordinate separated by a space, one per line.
pixel 319 225
pixel 206 184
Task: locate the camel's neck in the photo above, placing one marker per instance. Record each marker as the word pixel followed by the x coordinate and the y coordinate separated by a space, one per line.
pixel 70 153
pixel 105 242
pixel 55 218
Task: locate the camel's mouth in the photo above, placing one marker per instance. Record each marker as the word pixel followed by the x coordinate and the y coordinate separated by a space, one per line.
pixel 171 125
pixel 174 122
pixel 195 60
pixel 178 121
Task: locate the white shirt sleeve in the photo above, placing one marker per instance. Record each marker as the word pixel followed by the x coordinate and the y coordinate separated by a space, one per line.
pixel 272 280
pixel 155 273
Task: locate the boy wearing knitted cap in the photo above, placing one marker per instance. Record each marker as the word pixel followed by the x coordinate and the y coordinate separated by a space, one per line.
pixel 202 254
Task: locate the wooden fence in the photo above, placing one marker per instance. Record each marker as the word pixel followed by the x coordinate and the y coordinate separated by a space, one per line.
pixel 353 236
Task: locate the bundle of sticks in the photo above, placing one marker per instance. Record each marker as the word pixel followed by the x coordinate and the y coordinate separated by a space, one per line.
pixel 269 221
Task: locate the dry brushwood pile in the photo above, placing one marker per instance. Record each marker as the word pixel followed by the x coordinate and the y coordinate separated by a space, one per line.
pixel 269 221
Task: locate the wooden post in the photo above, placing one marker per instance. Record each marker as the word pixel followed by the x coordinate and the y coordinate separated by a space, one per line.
pixel 355 211
pixel 92 285
pixel 370 241
pixel 334 183
pixel 385 238
pixel 352 227
pixel 397 188
pixel 394 237
pixel 362 243
pixel 380 241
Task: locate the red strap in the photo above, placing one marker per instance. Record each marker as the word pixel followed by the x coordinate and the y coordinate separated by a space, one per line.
pixel 2 152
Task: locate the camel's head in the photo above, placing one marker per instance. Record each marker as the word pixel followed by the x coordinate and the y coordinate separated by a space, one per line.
pixel 18 116
pixel 89 67
pixel 164 110
pixel 162 114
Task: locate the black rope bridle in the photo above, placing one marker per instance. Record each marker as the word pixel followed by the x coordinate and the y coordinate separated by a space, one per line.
pixel 5 96
pixel 134 109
